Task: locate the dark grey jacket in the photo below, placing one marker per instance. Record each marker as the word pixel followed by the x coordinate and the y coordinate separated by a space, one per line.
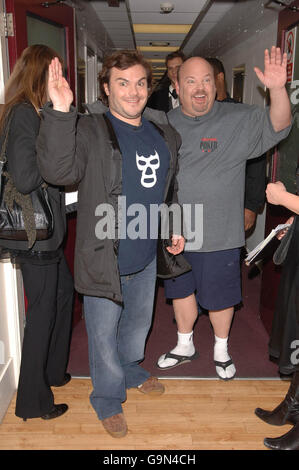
pixel 22 166
pixel 83 149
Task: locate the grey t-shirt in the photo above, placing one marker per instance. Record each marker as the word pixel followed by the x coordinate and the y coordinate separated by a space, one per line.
pixel 212 161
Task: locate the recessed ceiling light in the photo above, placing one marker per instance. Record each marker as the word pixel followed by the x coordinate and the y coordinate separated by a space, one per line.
pixel 159 43
pixel 161 28
pixel 157 48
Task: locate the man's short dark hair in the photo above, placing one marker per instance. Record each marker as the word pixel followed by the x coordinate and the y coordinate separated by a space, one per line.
pixel 216 64
pixel 174 55
pixel 122 60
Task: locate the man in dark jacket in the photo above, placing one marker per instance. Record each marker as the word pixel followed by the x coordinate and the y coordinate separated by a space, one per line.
pixel 165 96
pixel 120 160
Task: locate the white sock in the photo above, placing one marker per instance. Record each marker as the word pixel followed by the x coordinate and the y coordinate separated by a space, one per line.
pixel 184 347
pixel 220 349
pixel 221 355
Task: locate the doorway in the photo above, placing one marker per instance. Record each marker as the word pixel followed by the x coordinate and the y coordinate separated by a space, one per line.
pixel 30 23
pixel 238 83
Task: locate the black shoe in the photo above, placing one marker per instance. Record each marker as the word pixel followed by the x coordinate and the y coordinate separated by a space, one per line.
pixel 289 441
pixel 281 415
pixel 56 411
pixel 67 378
pixel 287 412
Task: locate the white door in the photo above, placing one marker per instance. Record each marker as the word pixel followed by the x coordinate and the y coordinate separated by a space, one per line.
pixel 11 331
pixel 11 287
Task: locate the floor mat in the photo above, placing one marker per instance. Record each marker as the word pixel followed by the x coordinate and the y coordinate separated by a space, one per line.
pixel 248 344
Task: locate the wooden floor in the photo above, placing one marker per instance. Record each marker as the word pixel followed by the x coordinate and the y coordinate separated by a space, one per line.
pixel 192 414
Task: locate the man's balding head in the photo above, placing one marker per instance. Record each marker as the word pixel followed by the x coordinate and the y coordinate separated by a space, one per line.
pixel 196 86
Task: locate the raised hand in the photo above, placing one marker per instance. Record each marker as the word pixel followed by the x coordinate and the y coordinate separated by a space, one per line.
pixel 58 88
pixel 275 73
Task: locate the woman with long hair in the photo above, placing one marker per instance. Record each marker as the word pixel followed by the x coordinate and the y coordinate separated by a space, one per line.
pixel 47 280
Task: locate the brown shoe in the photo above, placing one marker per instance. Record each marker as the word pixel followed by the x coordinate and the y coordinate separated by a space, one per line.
pixel 116 425
pixel 151 387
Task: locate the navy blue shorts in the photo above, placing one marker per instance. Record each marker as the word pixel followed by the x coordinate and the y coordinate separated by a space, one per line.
pixel 215 278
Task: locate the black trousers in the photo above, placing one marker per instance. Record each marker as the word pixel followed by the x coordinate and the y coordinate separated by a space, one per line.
pixel 45 352
pixel 285 325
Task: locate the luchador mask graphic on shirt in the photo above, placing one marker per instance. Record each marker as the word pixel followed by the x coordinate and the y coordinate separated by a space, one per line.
pixel 148 166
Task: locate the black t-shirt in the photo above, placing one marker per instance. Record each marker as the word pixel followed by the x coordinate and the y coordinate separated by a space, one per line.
pixel 145 163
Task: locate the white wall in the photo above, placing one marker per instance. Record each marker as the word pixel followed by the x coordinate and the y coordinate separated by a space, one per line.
pixel 251 53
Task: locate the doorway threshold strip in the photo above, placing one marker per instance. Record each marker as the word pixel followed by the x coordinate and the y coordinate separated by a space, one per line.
pixel 217 378
pixel 198 378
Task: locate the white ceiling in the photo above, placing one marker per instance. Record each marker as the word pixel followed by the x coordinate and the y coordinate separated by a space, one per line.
pixel 215 24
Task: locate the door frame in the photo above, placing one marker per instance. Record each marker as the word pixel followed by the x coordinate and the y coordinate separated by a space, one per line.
pixel 275 215
pixel 11 285
pixel 12 302
pixel 61 14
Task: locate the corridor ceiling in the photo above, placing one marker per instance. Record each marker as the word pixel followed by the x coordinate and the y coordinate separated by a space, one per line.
pixel 198 27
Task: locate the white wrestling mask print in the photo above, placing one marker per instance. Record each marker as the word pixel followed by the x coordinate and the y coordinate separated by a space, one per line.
pixel 148 166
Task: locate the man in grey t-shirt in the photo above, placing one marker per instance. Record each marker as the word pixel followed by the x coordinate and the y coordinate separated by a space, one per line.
pixel 217 140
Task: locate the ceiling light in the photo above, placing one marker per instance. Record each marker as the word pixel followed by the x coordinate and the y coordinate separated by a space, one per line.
pixel 161 28
pixel 159 43
pixel 157 48
pixel 166 7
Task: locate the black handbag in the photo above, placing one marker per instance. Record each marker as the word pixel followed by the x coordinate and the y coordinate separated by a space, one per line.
pixel 169 265
pixel 23 216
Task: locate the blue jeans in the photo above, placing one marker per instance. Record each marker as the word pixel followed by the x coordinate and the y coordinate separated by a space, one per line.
pixel 116 340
